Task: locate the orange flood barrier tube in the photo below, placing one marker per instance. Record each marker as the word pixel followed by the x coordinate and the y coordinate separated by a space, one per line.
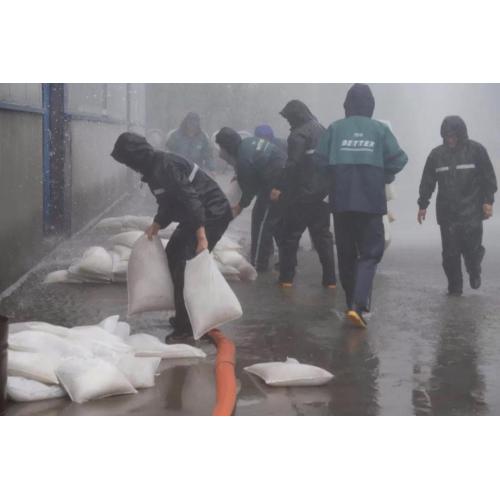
pixel 225 378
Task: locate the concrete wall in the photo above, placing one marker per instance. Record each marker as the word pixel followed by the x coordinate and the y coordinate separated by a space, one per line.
pixel 21 194
pixel 94 116
pixel 96 179
pixel 26 94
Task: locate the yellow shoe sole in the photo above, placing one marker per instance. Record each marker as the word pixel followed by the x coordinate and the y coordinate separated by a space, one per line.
pixel 356 319
pixel 286 285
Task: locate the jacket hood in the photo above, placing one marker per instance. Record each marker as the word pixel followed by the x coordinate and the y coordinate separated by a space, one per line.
pixel 229 140
pixel 359 101
pixel 297 113
pixel 133 151
pixel 191 118
pixel 454 125
pixel 264 132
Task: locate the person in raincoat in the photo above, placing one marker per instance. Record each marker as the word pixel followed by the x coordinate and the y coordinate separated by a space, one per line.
pixel 303 198
pixel 363 156
pixel 267 133
pixel 190 141
pixel 259 169
pixel 185 194
pixel 466 182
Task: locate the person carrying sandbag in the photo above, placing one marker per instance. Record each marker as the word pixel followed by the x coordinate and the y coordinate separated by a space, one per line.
pixel 185 194
pixel 259 167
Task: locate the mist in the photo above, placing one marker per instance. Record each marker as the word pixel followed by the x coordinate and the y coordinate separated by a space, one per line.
pixel 415 112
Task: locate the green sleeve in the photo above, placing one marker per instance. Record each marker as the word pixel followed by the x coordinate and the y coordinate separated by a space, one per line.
pixel 394 157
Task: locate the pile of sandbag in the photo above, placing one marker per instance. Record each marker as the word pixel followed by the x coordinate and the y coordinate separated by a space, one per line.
pixel 48 361
pixel 127 223
pixel 99 265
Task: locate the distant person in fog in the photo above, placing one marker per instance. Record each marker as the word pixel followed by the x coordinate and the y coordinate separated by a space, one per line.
pixel 190 141
pixel 467 184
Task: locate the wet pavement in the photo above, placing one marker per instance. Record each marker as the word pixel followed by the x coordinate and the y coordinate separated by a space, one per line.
pixel 423 354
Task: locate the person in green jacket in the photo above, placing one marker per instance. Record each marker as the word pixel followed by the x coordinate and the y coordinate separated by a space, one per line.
pixel 362 156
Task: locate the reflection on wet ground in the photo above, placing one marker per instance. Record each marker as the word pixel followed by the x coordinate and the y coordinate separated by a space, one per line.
pixel 424 353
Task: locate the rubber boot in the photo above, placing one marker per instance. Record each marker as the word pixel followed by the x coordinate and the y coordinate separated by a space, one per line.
pixel 4 324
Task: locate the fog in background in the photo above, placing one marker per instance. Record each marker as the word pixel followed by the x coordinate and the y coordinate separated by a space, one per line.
pixel 415 112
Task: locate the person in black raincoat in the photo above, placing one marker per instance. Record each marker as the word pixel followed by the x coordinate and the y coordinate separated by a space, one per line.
pixel 467 184
pixel 190 141
pixel 185 194
pixel 259 169
pixel 305 190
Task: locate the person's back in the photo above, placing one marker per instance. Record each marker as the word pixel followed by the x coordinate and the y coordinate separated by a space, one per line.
pixel 304 180
pixel 362 155
pixel 170 168
pixel 305 188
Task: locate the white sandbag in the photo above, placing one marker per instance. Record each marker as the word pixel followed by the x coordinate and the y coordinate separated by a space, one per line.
pixel 32 365
pixel 248 272
pixel 140 372
pixel 125 223
pixel 110 323
pixel 145 345
pixel 387 231
pixel 122 251
pixel 233 193
pixel 99 342
pixel 150 286
pixel 227 243
pixel 290 373
pixel 60 331
pixel 87 379
pixel 390 192
pixel 230 258
pixel 96 262
pixel 61 276
pixel 46 343
pixel 122 330
pixel 110 223
pixel 136 222
pixel 235 260
pixel 120 272
pixel 230 273
pixel 126 239
pixel 167 232
pixel 23 390
pixel 210 302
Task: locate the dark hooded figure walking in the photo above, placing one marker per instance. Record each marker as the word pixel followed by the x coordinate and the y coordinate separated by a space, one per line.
pixel 190 141
pixel 363 156
pixel 185 194
pixel 305 189
pixel 259 169
pixel 466 191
